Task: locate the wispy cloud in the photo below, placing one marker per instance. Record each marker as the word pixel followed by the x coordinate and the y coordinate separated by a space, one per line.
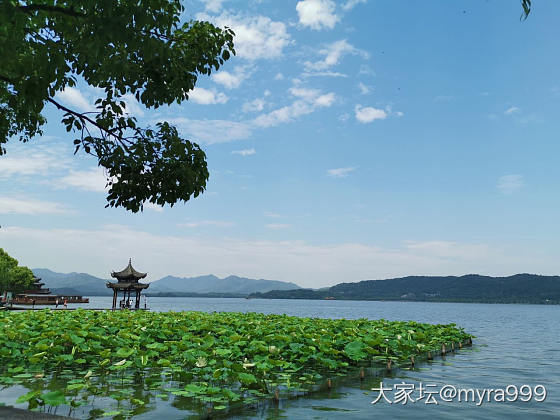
pixel 508 184
pixel 32 159
pixel 306 264
pixel 307 101
pixel 256 105
pixel 278 226
pixel 350 4
pixel 152 207
pixel 333 54
pixel 340 172
pixel 244 152
pixel 364 89
pixel 213 5
pixel 93 179
pixel 448 249
pixel 512 110
pixel 212 131
pixel 200 223
pixel 30 206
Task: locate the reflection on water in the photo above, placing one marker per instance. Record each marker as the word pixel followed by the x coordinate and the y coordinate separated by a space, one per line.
pixel 515 345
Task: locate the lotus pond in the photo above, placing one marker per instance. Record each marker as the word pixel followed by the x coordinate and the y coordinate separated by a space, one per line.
pixel 119 364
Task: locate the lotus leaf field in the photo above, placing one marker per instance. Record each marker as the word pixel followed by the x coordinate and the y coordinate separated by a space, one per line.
pixel 127 361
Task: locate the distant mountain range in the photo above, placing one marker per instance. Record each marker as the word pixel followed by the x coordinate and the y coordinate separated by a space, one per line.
pixel 519 288
pixel 88 285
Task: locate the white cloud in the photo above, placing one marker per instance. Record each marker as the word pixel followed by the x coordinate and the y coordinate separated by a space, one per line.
pixel 29 159
pixel 308 100
pixel 508 184
pixel 447 249
pixel 364 89
pixel 255 105
pixel 132 106
pixel 317 14
pixel 93 179
pixel 323 74
pixel 368 114
pixel 305 93
pixel 207 97
pixel 333 53
pixel 366 70
pixel 212 131
pixel 256 37
pixel 29 206
pixel 279 76
pixel 213 6
pixel 218 223
pixel 340 172
pixel 73 97
pixel 512 110
pixel 99 251
pixel 325 100
pixel 232 80
pixel 244 152
pixel 278 226
pixel 344 117
pixel 350 4
pixel 151 206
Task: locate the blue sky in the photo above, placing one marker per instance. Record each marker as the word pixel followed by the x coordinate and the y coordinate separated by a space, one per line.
pixel 346 141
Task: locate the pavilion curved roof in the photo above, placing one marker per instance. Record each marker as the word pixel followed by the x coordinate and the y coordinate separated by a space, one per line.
pixel 128 272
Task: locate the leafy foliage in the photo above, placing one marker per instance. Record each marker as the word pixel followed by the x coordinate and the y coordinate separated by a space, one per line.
pixel 526 4
pixel 209 359
pixel 121 47
pixel 13 277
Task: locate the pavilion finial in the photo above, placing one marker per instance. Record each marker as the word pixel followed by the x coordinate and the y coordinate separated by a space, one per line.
pixel 130 261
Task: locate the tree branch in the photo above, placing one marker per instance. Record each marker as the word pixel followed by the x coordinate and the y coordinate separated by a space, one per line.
pixel 52 9
pixel 120 139
pixel 5 79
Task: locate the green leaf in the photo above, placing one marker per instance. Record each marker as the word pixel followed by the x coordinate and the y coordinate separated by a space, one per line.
pixel 355 350
pixel 53 398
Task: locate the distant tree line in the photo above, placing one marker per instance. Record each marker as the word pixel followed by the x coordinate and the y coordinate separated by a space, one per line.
pixel 520 288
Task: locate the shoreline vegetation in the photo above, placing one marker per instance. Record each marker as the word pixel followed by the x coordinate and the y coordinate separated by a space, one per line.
pixel 124 363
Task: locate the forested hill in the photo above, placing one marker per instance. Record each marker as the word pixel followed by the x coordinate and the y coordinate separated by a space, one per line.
pixel 519 288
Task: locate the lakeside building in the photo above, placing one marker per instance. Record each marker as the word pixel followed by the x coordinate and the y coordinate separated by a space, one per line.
pixel 39 296
pixel 128 282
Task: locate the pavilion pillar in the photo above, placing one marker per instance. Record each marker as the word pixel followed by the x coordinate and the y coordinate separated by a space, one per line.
pixel 114 298
pixel 137 304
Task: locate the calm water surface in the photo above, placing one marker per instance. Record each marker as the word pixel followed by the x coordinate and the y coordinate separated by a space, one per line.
pixel 515 345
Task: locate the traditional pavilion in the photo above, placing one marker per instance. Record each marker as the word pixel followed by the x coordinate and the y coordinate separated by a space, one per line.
pixel 128 283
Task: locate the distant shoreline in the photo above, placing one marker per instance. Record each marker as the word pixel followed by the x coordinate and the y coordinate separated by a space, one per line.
pixel 225 296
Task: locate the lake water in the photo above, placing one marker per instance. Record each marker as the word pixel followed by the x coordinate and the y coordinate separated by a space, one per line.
pixel 514 345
